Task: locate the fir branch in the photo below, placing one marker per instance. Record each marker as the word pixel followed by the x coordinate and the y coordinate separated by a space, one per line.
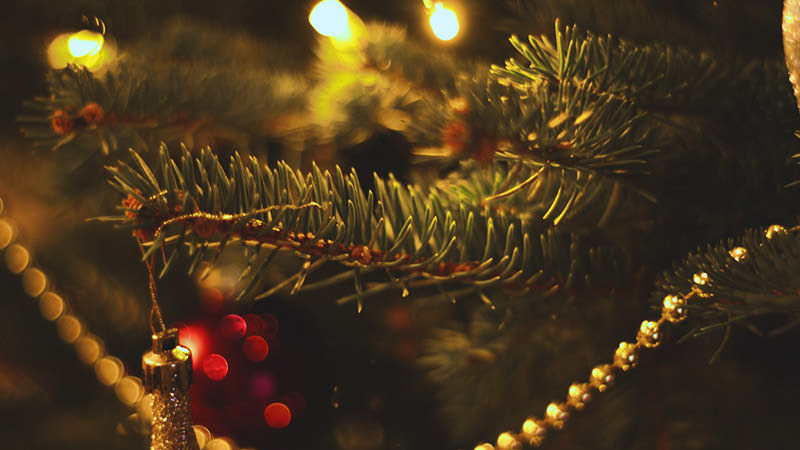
pixel 398 228
pixel 139 104
pixel 653 75
pixel 751 276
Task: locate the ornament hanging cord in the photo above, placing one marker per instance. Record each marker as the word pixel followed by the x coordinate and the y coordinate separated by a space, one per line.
pixel 155 309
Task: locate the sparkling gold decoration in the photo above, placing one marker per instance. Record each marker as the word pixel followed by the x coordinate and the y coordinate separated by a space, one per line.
pixel 775 230
pixel 557 413
pixel 674 308
pixel 602 377
pixel 167 377
pixel 507 441
pixel 738 254
pixel 578 395
pixel 626 356
pixel 791 43
pixel 700 278
pixel 534 431
pixel 649 335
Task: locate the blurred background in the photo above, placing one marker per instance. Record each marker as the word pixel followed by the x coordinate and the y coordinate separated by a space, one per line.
pixel 351 384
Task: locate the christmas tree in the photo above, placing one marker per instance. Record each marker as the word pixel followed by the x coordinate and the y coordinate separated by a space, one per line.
pixel 419 225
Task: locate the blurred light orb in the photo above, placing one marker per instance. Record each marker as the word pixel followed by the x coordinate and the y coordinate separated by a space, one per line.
pixel 255 348
pixel 194 338
pixel 330 19
pixel 215 367
pixel 109 370
pixel 277 415
pixel 233 327
pixel 85 43
pixel 444 22
pixel 86 48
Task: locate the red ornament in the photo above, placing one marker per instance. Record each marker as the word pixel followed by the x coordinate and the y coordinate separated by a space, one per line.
pixel 277 415
pixel 255 348
pixel 61 122
pixel 92 113
pixel 215 367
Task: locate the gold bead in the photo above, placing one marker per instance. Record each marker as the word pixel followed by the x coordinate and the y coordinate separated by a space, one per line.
pixel 627 356
pixel 578 395
pixel 738 254
pixel 533 430
pixel 507 441
pixel 700 278
pixel 649 335
pixel 774 230
pixel 602 377
pixel 557 413
pixel 674 308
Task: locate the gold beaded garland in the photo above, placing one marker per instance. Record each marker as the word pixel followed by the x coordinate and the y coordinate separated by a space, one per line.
pixel 602 377
pixel 578 395
pixel 557 413
pixel 626 356
pixel 700 278
pixel 649 335
pixel 738 254
pixel 774 230
pixel 674 308
pixel 534 431
pixel 507 441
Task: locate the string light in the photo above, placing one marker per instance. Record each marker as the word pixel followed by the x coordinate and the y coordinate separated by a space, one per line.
pixel 85 48
pixel 330 18
pixel 444 22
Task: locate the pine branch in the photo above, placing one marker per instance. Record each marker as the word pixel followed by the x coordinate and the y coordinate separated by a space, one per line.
pixel 740 279
pixel 137 103
pixel 412 235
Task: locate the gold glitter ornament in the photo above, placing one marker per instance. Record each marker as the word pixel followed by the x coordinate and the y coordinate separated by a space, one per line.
pixel 578 395
pixel 738 254
pixel 167 377
pixel 674 308
pixel 627 356
pixel 602 377
pixel 534 431
pixel 700 278
pixel 649 335
pixel 775 230
pixel 791 43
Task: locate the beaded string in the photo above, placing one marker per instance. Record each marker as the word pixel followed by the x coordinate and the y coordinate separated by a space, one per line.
pixel 626 356
pixel 111 372
pixel 90 349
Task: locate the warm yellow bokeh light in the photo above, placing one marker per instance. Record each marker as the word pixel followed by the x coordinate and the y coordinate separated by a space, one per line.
pixel 444 22
pixel 85 43
pixel 330 18
pixel 86 48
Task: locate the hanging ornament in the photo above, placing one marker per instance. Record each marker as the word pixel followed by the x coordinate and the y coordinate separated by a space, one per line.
pixel 167 377
pixel 791 43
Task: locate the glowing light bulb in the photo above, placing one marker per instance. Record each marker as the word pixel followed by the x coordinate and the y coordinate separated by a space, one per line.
pixel 85 43
pixel 444 22
pixel 330 18
pixel 86 48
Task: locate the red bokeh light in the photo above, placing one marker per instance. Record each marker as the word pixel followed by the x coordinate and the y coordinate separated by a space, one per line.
pixel 215 367
pixel 255 325
pixel 277 415
pixel 255 348
pixel 233 327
